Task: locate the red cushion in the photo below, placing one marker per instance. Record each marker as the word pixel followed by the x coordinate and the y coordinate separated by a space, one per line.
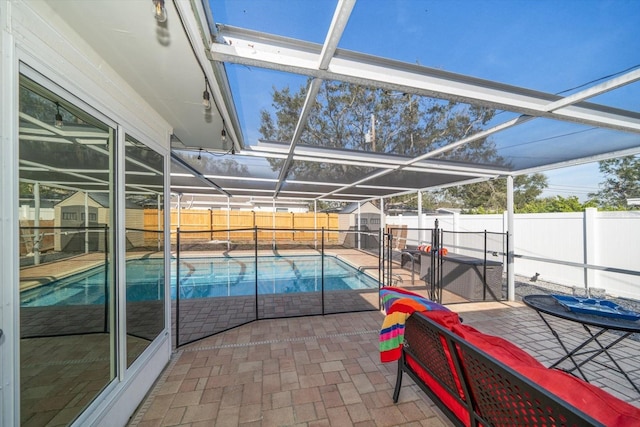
pixel 503 350
pixel 445 318
pixel 450 402
pixel 590 399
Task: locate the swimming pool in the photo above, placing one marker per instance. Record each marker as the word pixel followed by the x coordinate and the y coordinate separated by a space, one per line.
pixel 207 277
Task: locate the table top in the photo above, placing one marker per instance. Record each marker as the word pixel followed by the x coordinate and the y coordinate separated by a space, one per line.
pixel 549 305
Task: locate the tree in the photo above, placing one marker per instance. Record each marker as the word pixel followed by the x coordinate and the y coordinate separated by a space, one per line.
pixel 491 196
pixel 405 125
pixel 622 182
pixel 556 204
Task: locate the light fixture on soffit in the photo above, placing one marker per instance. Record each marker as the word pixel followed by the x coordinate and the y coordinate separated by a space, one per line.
pixel 206 97
pixel 58 119
pixel 160 12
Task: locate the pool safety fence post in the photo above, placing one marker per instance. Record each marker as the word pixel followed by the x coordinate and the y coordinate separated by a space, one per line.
pixel 178 287
pixel 505 259
pixel 161 224
pixel 433 274
pixel 385 254
pixel 389 255
pixel 228 223
pixel 439 261
pixel 210 224
pixel 322 270
pixel 380 264
pixel 255 241
pixel 106 278
pixel 484 269
pixel 315 225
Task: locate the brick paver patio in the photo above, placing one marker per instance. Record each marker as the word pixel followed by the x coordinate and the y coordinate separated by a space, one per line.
pixel 325 371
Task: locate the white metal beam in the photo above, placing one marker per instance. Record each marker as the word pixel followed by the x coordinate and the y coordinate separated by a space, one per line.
pixel 310 100
pixel 259 49
pixel 338 24
pixel 380 160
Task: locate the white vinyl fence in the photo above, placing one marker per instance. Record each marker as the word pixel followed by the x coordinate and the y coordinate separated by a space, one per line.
pixel 589 249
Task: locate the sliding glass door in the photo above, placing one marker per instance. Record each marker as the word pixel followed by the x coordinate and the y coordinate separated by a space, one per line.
pixel 67 334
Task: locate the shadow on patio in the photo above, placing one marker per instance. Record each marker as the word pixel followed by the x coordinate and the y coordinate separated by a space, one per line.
pixel 326 370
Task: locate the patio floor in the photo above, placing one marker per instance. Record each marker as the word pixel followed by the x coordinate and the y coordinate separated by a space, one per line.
pixel 325 370
pixel 321 370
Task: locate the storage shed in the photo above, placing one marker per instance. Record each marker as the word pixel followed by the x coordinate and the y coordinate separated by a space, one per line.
pixel 369 216
pixel 81 210
pixel 369 221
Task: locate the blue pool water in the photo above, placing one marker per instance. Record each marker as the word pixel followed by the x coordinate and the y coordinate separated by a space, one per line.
pixel 206 277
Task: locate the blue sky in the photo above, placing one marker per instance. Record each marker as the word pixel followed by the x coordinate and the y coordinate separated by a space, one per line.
pixel 543 45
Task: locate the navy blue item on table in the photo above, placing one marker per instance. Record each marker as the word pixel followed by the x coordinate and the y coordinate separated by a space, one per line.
pixel 598 307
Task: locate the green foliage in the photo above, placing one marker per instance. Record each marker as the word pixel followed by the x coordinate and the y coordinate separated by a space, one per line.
pixel 46 193
pixel 491 196
pixel 622 182
pixel 405 124
pixel 556 204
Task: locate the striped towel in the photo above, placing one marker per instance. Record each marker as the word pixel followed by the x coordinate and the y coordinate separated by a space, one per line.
pixel 398 305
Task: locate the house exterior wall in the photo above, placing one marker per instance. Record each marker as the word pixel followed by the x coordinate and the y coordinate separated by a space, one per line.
pixel 33 39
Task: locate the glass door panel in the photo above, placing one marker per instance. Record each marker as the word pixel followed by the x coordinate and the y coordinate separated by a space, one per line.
pixel 66 235
pixel 144 222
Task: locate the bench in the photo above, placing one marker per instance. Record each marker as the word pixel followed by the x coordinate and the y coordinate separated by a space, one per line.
pixel 478 379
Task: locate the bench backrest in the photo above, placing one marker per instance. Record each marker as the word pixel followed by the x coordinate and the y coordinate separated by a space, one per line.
pixel 493 393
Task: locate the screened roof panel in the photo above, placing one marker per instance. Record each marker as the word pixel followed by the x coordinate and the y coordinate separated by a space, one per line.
pixel 343 198
pixel 72 146
pixel 84 181
pixel 310 186
pixel 415 180
pixel 373 191
pixel 253 193
pixel 300 195
pixel 354 117
pixel 300 20
pixel 626 97
pixel 141 160
pixel 421 95
pixel 253 89
pixel 182 184
pixel 320 172
pixel 542 45
pixel 544 142
pixel 221 164
pixel 232 184
pixel 206 201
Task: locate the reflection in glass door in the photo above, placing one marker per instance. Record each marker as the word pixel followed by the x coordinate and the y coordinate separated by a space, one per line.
pixel 66 233
pixel 144 222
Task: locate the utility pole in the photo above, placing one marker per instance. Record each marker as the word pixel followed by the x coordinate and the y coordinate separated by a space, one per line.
pixel 373 132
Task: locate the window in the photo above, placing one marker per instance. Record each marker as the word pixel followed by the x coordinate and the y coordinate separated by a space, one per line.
pixel 70 216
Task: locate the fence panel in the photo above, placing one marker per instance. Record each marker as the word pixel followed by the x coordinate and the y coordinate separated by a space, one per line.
pixel 555 247
pixel 218 285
